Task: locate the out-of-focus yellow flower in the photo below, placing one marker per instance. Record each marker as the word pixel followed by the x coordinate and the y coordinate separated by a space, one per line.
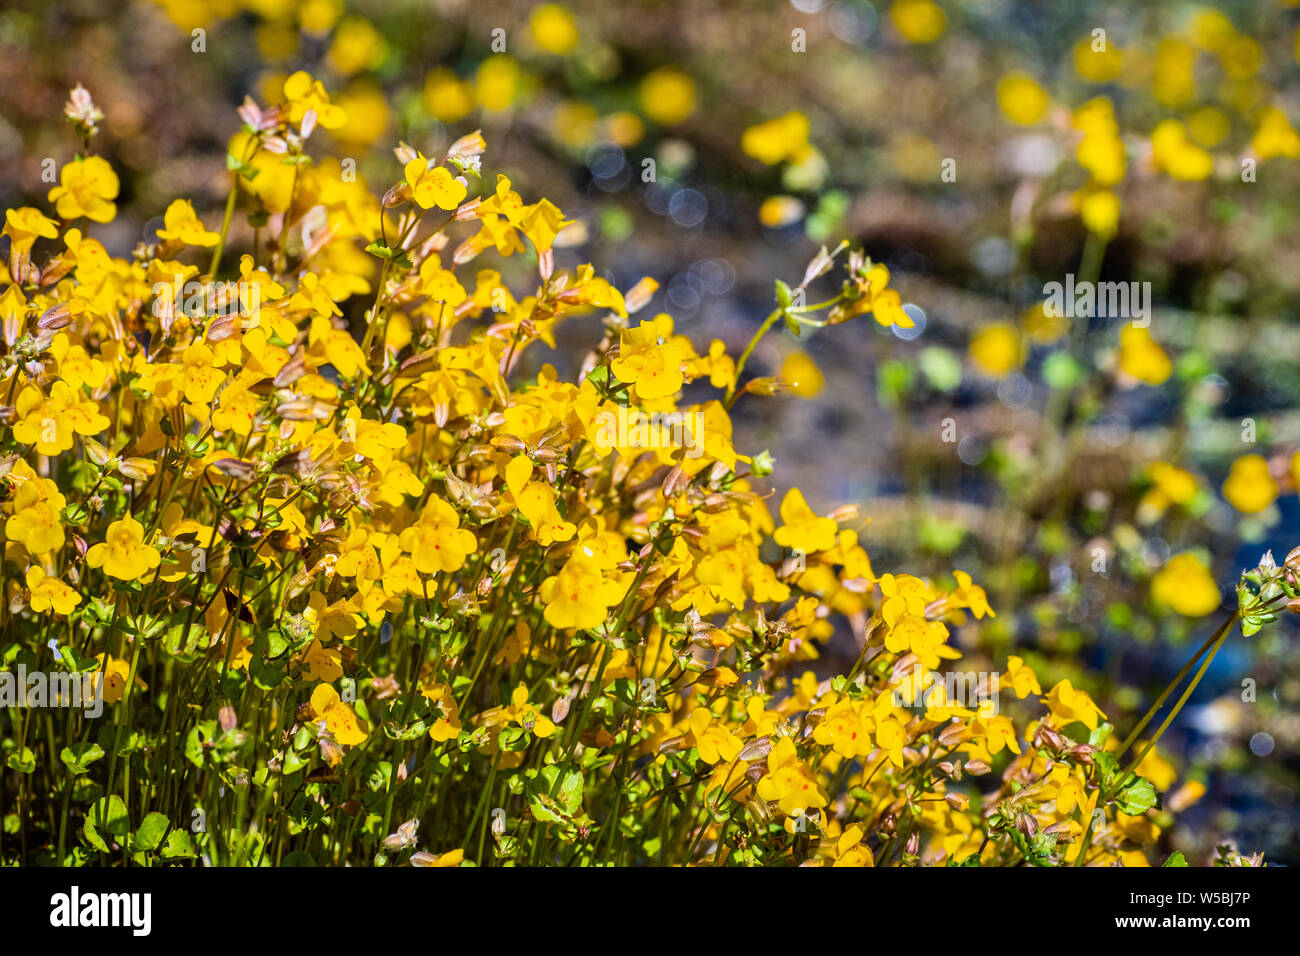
pixel 1209 126
pixel 1142 357
pixel 1274 136
pixel 778 211
pixel 1173 79
pixel 800 375
pixel 668 96
pixel 1043 329
pixel 357 46
pixel 1099 210
pixel 552 28
pixel 305 94
pixel 1021 99
pixel 366 108
pixel 919 21
pixel 1097 65
pixel 1169 486
pixel 996 350
pixel 448 98
pixel 1250 487
pixel 1186 585
pixel 782 139
pixel 497 82
pixel 317 17
pixel 1173 153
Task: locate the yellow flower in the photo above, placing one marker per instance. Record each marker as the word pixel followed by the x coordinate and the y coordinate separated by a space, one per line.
pixel 1021 99
pixel 653 366
pixel 998 731
pixel 789 782
pixel 111 678
pixel 1186 585
pixel 37 523
pixel 970 595
pixel 87 187
pixel 48 592
pixel 437 542
pixel 25 224
pixel 843 730
pixel 713 739
pixel 340 720
pixel 799 374
pixel 305 94
pixel 123 553
pixel 541 223
pixel 553 29
pixel 1250 487
pixel 448 725
pixel 997 350
pixel 182 224
pixel 801 529
pixel 50 423
pixel 434 185
pixel 1023 680
pixel 527 715
pixel 849 850
pixel 320 663
pixel 668 96
pixel 1068 704
pixel 453 858
pixel 579 596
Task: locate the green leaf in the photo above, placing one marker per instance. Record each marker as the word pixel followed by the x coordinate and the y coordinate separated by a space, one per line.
pixel 1175 859
pixel 107 815
pixel 554 794
pixel 784 297
pixel 1138 797
pixel 79 757
pixel 24 761
pixel 150 834
pixel 178 846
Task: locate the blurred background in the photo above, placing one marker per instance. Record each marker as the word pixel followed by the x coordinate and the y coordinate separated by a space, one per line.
pixel 1105 481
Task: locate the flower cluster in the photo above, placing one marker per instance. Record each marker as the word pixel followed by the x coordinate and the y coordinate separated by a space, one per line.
pixel 371 597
